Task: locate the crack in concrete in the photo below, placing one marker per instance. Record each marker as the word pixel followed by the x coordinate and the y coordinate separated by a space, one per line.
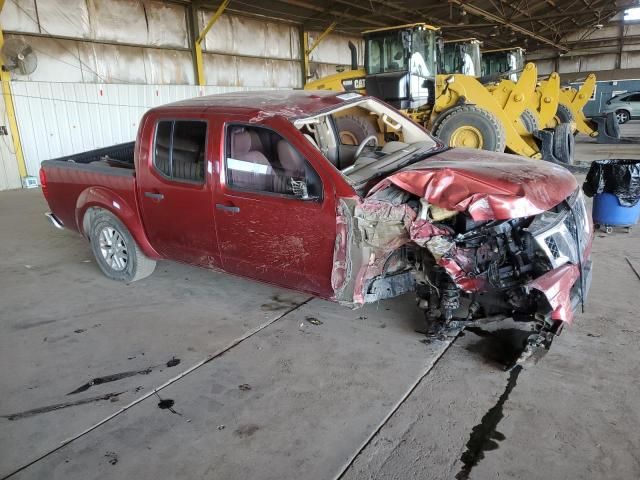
pixel 392 412
pixel 155 391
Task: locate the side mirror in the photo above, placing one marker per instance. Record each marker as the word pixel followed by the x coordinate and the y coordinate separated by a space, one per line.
pixel 301 191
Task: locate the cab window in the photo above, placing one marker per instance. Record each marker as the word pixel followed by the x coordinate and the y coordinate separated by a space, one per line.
pixel 260 160
pixel 179 149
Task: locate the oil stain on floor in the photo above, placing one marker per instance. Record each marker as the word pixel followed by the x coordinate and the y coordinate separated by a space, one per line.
pixel 485 436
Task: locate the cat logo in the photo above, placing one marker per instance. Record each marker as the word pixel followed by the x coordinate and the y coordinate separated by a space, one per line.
pixel 354 84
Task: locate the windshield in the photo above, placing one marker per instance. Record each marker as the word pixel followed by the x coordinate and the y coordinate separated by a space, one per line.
pixel 495 63
pixel 401 50
pixel 365 140
pixel 462 57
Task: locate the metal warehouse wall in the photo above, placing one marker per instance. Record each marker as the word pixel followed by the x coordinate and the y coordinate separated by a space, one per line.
pixel 102 63
pixel 146 41
pixel 57 119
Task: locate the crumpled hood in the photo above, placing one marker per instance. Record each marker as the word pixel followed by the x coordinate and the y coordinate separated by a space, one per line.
pixel 489 185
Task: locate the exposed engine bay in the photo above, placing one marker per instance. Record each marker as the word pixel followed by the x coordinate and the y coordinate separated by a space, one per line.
pixel 467 272
pixel 479 236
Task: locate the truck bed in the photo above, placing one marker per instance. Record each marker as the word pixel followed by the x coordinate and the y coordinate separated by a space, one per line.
pixel 84 178
pixel 120 155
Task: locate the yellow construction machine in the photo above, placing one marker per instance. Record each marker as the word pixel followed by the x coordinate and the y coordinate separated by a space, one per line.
pixel 540 118
pixel 570 103
pixel 405 66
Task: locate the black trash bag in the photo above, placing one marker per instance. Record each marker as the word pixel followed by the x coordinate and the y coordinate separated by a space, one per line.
pixel 619 177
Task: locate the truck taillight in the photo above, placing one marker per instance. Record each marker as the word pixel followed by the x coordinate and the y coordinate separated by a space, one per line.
pixel 43 183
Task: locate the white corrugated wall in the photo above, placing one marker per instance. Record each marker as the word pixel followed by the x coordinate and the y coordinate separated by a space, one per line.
pixel 58 119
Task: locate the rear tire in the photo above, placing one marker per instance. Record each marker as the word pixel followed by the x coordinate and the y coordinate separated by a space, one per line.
pixel 622 116
pixel 469 126
pixel 564 143
pixel 117 254
pixel 529 120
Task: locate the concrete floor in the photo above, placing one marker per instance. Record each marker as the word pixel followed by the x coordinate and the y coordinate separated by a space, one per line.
pixel 587 149
pixel 261 390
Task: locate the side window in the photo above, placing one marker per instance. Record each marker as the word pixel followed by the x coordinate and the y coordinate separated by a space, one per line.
pixel 260 160
pixel 634 98
pixel 180 148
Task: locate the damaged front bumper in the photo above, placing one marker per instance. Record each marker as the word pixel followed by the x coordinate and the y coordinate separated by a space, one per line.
pixel 534 269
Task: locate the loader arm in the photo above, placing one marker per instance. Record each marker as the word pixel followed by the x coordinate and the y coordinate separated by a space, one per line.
pixel 546 100
pixel 575 100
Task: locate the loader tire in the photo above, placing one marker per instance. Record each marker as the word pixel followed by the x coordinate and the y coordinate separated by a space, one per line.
pixel 564 114
pixel 529 120
pixel 564 143
pixel 117 253
pixel 469 126
pixel 353 129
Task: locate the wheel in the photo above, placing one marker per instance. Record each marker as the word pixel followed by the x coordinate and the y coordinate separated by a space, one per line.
pixel 564 114
pixel 596 226
pixel 564 143
pixel 117 254
pixel 529 120
pixel 608 229
pixel 353 129
pixel 622 116
pixel 469 126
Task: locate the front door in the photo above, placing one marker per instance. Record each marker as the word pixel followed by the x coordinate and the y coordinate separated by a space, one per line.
pixel 275 219
pixel 175 190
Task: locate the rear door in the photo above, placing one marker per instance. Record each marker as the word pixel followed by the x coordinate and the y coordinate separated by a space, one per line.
pixel 634 105
pixel 275 208
pixel 174 178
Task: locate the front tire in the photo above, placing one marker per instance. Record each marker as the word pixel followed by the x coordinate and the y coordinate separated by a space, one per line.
pixel 622 116
pixel 564 143
pixel 469 126
pixel 117 254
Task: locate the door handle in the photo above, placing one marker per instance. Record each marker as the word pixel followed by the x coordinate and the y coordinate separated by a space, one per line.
pixel 227 208
pixel 154 196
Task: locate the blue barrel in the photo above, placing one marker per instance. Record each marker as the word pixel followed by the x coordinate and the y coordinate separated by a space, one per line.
pixel 608 211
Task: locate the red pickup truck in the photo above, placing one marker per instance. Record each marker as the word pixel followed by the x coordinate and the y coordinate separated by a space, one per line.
pixel 265 185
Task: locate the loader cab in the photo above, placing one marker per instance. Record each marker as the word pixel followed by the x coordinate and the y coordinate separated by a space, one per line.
pixel 504 63
pixel 461 56
pixel 400 64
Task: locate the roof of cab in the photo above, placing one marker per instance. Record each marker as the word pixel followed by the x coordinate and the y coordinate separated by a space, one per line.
pixel 287 103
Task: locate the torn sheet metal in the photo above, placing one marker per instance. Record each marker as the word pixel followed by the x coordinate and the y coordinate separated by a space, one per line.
pixel 556 286
pixel 489 185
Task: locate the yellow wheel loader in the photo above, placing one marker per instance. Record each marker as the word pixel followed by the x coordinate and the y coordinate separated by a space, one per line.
pixel 402 68
pixel 539 123
pixel 568 108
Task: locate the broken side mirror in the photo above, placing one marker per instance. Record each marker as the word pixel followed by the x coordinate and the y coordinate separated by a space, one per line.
pixel 308 188
pixel 302 191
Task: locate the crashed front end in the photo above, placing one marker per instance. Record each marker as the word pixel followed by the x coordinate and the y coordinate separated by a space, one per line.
pixel 479 241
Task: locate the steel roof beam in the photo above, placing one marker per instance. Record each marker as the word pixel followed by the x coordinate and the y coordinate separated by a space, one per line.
pixel 472 9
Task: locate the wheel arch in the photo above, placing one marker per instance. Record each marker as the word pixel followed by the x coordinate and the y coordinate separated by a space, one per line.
pixel 94 199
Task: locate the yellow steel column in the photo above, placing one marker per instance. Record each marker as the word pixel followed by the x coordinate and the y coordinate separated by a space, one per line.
pixel 5 78
pixel 316 42
pixel 197 44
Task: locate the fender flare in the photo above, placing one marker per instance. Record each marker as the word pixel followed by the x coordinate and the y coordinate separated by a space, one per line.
pixel 103 198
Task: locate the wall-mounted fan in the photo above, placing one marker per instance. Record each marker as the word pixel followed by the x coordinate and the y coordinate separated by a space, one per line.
pixel 19 57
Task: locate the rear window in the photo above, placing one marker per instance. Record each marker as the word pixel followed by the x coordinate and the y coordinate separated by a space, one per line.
pixel 179 149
